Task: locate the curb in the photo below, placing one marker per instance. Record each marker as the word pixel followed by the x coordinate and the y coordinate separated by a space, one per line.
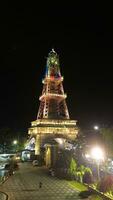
pixel 99 193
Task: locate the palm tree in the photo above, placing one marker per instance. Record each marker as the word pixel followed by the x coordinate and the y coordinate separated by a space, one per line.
pixel 82 170
pixel 80 173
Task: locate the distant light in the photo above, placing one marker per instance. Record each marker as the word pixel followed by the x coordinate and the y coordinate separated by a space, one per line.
pixel 15 142
pixel 96 127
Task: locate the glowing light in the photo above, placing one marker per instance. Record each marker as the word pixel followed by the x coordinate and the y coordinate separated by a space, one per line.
pixel 56 79
pixel 28 155
pixel 96 127
pixel 60 140
pixel 52 61
pixel 15 142
pixel 53 130
pixel 53 122
pixel 97 153
pixel 87 155
pixel 53 51
pixel 52 95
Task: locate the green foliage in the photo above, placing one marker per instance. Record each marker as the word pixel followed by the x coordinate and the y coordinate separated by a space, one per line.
pixel 88 170
pixel 78 185
pixel 69 168
pixel 7 136
pixel 82 172
pixel 88 177
pixel 95 197
pixel 72 168
pixel 78 172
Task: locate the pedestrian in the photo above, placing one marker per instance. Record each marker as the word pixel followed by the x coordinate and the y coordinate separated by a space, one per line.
pixel 40 184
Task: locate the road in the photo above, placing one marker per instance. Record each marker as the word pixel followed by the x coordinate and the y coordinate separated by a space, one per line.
pixel 24 185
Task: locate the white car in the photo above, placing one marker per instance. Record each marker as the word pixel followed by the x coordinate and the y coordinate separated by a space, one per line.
pixel 3 165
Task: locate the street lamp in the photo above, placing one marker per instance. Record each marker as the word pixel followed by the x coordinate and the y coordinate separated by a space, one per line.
pixel 15 142
pixel 96 127
pixel 98 155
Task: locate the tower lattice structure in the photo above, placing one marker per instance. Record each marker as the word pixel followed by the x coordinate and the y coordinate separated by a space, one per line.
pixel 52 101
pixel 53 121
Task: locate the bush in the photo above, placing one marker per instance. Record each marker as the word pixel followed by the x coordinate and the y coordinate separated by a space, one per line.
pixel 106 184
pixel 88 178
pixel 85 194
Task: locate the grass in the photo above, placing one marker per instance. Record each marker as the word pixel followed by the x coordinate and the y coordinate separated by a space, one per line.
pixel 95 197
pixel 79 186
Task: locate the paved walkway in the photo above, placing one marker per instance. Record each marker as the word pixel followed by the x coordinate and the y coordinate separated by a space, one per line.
pixel 24 185
pixel 3 196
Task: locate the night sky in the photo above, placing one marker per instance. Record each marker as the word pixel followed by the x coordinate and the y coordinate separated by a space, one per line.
pixel 82 35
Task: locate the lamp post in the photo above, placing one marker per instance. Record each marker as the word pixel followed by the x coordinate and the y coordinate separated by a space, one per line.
pixel 15 142
pixel 98 155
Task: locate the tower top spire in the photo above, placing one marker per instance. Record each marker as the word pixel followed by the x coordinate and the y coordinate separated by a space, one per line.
pixel 53 50
pixel 52 53
pixel 53 58
pixel 52 68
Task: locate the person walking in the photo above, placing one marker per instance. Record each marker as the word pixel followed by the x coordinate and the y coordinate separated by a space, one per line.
pixel 40 184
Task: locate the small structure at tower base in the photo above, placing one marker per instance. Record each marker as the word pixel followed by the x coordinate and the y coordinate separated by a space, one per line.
pixel 50 133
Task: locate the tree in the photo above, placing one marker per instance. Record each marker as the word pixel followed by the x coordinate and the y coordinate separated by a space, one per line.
pixel 88 176
pixel 81 172
pixel 72 168
pixel 7 136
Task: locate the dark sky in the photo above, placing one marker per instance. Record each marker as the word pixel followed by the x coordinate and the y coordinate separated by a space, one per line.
pixel 82 35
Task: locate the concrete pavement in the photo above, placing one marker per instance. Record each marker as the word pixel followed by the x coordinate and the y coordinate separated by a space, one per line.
pixel 24 185
pixel 3 196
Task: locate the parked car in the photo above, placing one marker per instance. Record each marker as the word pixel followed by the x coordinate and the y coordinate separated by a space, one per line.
pixel 3 165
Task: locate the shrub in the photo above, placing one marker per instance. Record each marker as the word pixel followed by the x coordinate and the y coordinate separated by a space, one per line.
pixel 85 194
pixel 88 178
pixel 106 184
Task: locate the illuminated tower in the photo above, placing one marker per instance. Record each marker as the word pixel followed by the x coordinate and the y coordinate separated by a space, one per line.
pixel 53 121
pixel 53 104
